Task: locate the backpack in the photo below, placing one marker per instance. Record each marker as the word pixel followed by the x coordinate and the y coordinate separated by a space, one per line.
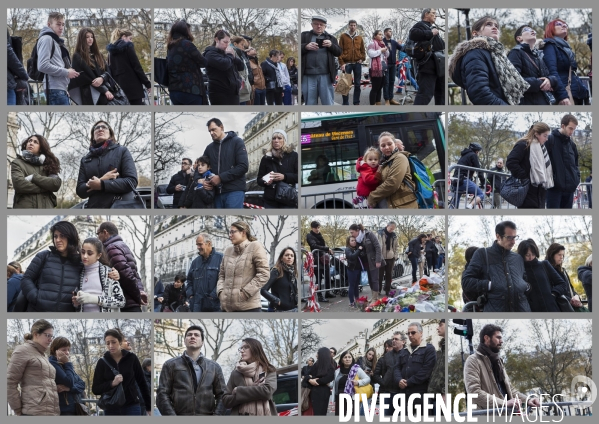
pixel 422 183
pixel 32 70
pixel 419 51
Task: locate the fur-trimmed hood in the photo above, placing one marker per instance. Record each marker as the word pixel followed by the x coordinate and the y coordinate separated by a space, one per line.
pixel 461 50
pixel 287 148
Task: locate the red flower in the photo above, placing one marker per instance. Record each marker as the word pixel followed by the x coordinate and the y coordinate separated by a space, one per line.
pixel 385 299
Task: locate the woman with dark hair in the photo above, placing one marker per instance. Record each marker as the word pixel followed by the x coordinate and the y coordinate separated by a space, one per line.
pixel 252 382
pixel 29 368
pixel 93 72
pixel 481 67
pixel 374 255
pixel 321 374
pixel 348 376
pixel 529 160
pixel 281 288
pixel 97 291
pixel 545 283
pixel 34 175
pixel 120 366
pixel 174 294
pixel 561 62
pixel 273 79
pixel 378 53
pixel 184 61
pixel 555 256
pixel 125 66
pixel 323 173
pixel 355 255
pixel 222 66
pixel 278 165
pixel 243 271
pixel 69 385
pixel 293 77
pixel 107 172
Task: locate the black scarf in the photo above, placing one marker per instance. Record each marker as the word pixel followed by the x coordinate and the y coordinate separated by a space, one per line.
pixel 97 150
pixel 390 237
pixel 31 158
pixel 495 361
pixel 64 52
pixel 385 159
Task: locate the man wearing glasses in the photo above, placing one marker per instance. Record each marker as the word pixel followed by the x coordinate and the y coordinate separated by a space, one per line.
pixel 179 182
pixel 497 274
pixel 191 384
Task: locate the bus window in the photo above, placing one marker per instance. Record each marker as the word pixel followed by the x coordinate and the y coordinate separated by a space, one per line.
pixel 330 163
pixel 421 142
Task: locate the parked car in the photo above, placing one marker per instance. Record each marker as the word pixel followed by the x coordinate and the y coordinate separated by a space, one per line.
pixel 145 192
pixel 286 395
pixel 163 199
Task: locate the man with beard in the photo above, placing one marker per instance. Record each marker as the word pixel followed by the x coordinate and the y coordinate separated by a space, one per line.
pixel 485 375
pixel 179 182
pixel 385 367
pixel 203 276
pixel 497 181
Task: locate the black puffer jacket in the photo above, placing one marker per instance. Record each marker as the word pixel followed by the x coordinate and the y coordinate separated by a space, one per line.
pixel 545 285
pixel 50 280
pixel 174 297
pixel 130 368
pixel 414 247
pixel 16 71
pixel 531 67
pixel 122 259
pixel 422 32
pixel 564 161
pixel 506 271
pixel 282 289
pixel 229 160
pixel 415 366
pixel 222 69
pixel 286 166
pixel 468 158
pixel 182 178
pixel 126 69
pixel 115 156
pixel 179 393
pixel 518 163
pixel 384 370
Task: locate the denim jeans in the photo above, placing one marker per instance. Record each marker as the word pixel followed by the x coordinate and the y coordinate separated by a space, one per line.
pixel 230 200
pixel 354 278
pixel 287 95
pixel 11 97
pixel 182 98
pixel 317 86
pixel 468 187
pixel 389 85
pixel 124 410
pixel 356 68
pixel 440 260
pixel 559 199
pixel 58 98
pixel 260 97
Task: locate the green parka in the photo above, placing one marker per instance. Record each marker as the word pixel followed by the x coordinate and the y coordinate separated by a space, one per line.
pixel 37 194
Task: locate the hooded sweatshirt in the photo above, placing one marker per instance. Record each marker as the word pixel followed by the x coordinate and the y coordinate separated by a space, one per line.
pixel 56 65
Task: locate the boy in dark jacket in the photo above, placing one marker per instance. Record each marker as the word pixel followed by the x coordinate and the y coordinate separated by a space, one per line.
pixel 197 196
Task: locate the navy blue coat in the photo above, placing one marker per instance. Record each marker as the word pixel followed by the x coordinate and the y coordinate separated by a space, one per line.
pixel 14 288
pixel 545 285
pixel 558 63
pixel 66 375
pixel 476 73
pixel 585 274
pixel 531 67
pixel 201 281
pixel 564 161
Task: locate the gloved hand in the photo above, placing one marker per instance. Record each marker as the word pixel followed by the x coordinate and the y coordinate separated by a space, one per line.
pixel 83 298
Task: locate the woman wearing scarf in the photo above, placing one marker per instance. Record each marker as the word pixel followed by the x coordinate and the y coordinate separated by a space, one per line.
pixel 378 54
pixel 368 361
pixel 529 160
pixel 374 255
pixel 70 386
pixel 555 255
pixel 273 78
pixel 34 175
pixel 107 171
pixel 281 288
pixel 321 375
pixel 347 377
pixel 561 62
pixel 394 191
pixel 480 66
pixel 252 382
pixel 278 164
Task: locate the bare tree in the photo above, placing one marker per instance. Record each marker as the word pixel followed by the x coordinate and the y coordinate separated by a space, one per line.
pixel 218 336
pixel 278 231
pixel 278 339
pixel 167 150
pixel 311 340
pixel 140 228
pixel 306 14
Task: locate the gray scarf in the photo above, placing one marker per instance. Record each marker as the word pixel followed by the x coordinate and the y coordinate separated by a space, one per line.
pixel 279 76
pixel 31 158
pixel 541 172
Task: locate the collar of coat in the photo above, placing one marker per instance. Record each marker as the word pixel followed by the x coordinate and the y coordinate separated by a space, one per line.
pixel 209 255
pixel 412 350
pixel 199 361
pixel 287 148
pixel 463 48
pixel 239 248
pixel 352 36
pixel 38 346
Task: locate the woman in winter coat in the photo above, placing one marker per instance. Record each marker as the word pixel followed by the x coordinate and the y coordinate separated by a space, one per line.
pixel 374 255
pixel 222 67
pixel 107 171
pixel 174 294
pixel 34 175
pixel 252 382
pixel 93 72
pixel 120 366
pixel 125 67
pixel 259 86
pixel 184 60
pixel 555 256
pixel 561 62
pixel 368 361
pixel 273 79
pixel 239 46
pixel 280 164
pixel 293 77
pixel 480 66
pixel 525 57
pixel 378 53
pixel 348 376
pixel 394 192
pixel 321 375
pixel 243 271
pixel 30 369
pixel 69 385
pixel 14 276
pixel 281 288
pixel 545 283
pixel 357 261
pixel 585 274
pixel 529 160
pixel 97 292
pixel 16 74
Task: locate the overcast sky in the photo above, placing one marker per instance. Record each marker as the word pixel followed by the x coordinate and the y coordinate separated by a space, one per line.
pixel 337 332
pixel 517 16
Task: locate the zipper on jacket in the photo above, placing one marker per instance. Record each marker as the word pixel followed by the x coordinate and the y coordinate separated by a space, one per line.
pixel 60 289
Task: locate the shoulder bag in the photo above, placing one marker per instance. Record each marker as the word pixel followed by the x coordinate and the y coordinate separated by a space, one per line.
pixel 286 194
pixel 562 301
pixel 115 397
pixel 131 200
pixel 368 390
pixel 119 99
pixel 514 190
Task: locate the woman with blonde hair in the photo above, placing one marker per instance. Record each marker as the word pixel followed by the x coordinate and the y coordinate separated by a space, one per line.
pixel 529 160
pixel 243 271
pixel 29 368
pixel 125 66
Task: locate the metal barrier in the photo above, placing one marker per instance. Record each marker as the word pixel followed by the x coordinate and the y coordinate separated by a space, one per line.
pixel 94 402
pixel 549 409
pixel 583 196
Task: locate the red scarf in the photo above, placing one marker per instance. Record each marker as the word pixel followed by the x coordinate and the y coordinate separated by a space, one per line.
pixel 376 68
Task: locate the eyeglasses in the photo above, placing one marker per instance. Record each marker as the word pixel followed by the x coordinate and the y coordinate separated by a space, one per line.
pixel 562 24
pixel 511 238
pixel 528 29
pixel 48 336
pixel 411 333
pixel 244 348
pixel 185 163
pixel 233 232
pixel 100 128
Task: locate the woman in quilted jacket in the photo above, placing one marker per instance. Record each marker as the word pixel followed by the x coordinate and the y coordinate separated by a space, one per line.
pixel 29 367
pixel 69 385
pixel 243 271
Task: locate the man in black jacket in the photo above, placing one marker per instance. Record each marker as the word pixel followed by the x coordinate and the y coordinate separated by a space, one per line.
pixel 179 182
pixel 385 370
pixel 191 384
pixel 497 181
pixel 413 253
pixel 321 260
pixel 431 253
pixel 229 161
pixel 429 82
pixel 564 161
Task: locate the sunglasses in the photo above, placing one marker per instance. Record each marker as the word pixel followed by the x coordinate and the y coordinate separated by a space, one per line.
pixel 411 333
pixel 562 24
pixel 100 128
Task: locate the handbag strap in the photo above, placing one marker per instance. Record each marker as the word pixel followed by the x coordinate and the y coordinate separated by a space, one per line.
pixel 114 370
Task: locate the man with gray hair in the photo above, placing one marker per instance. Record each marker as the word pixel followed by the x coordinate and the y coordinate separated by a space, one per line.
pixel 203 276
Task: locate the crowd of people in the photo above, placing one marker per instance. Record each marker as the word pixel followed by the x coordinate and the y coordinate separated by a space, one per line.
pixel 408 365
pixel 50 385
pixel 232 281
pixel 496 279
pixel 534 72
pixel 99 274
pixel 323 56
pixel 230 69
pixel 86 78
